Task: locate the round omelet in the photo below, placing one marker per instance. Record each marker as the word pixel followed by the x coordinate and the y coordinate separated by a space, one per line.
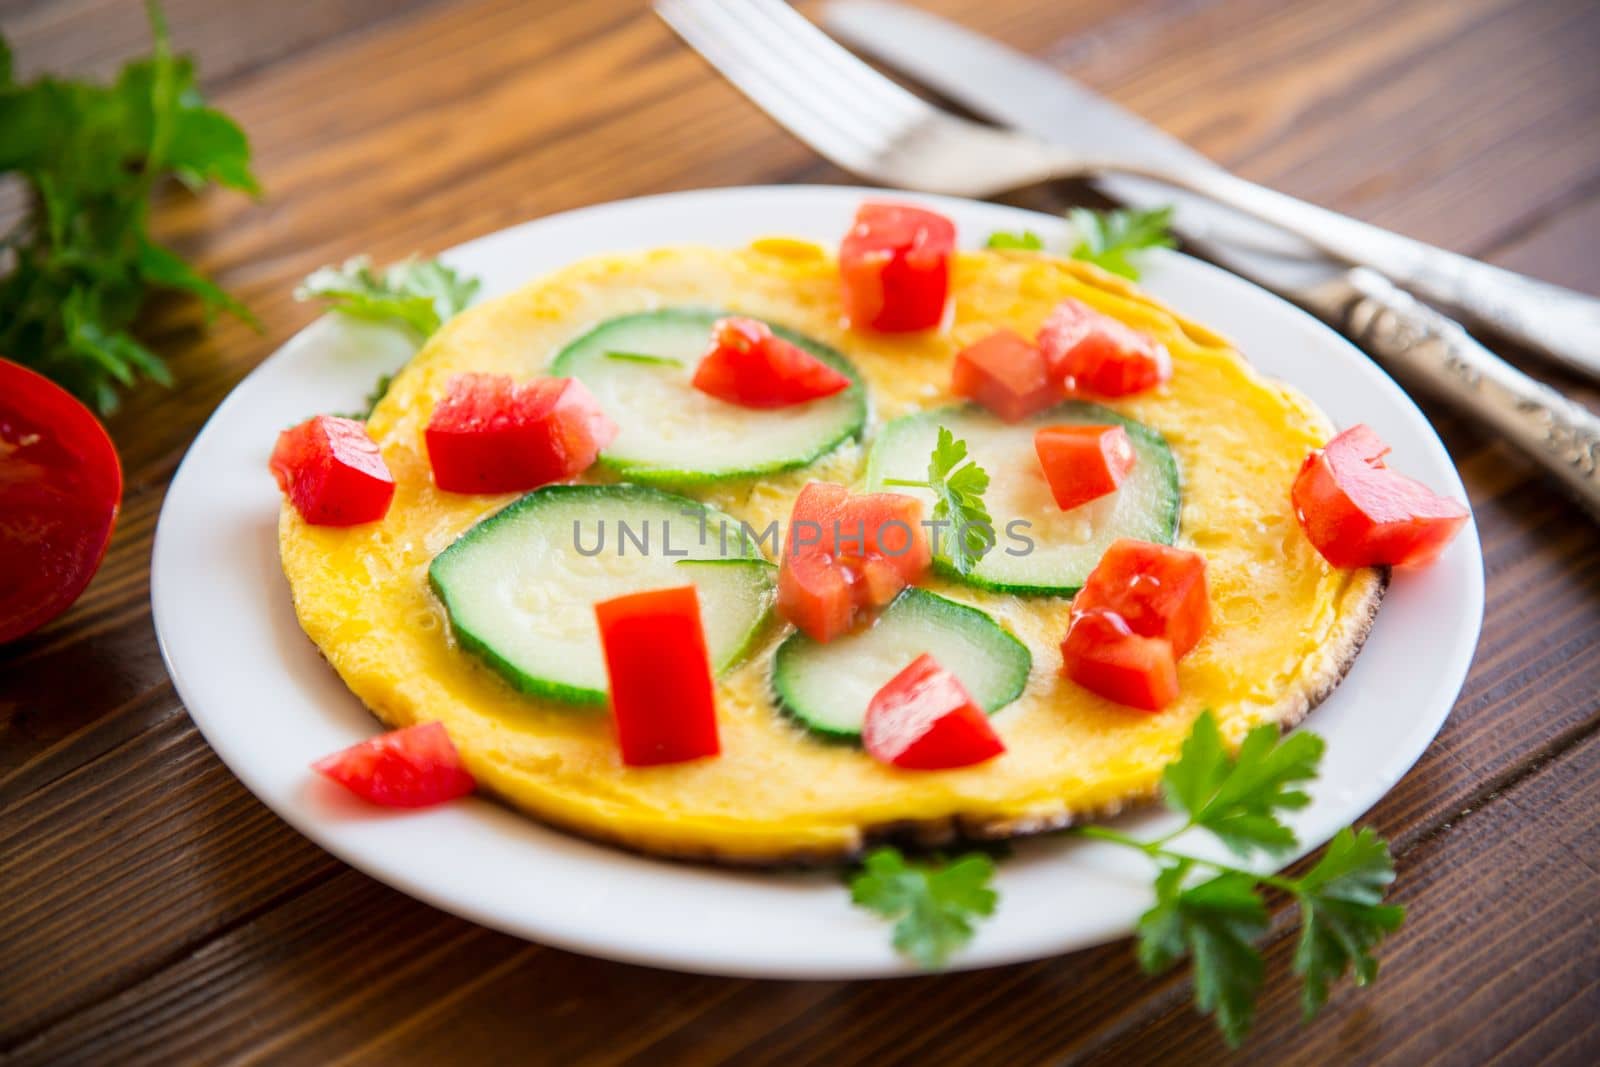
pixel 1285 625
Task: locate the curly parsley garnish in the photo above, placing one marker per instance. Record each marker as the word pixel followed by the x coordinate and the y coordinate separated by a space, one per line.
pixel 1210 912
pixel 958 485
pixel 1110 240
pixel 935 906
pixel 422 294
pixel 82 262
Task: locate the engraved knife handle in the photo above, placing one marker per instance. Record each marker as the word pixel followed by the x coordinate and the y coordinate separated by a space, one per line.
pixel 1425 347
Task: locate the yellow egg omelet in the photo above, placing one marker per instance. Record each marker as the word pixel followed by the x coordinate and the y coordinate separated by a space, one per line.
pixel 1285 625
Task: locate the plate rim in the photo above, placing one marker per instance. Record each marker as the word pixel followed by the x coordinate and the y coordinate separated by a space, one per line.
pixel 722 960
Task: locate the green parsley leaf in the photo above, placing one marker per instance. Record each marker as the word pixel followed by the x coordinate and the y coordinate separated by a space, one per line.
pixel 380 389
pixel 1110 239
pixel 1343 915
pixel 1236 797
pixel 82 263
pixel 959 485
pixel 935 905
pixel 1025 241
pixel 1214 922
pixel 421 294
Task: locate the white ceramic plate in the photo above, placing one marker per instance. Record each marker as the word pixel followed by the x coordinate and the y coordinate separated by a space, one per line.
pixel 269 705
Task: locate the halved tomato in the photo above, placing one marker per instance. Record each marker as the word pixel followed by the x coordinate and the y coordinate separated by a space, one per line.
pixel 924 719
pixel 1005 374
pixel 60 486
pixel 1092 354
pixel 492 435
pixel 332 472
pixel 416 767
pixel 1359 513
pixel 1083 463
pixel 895 266
pixel 748 365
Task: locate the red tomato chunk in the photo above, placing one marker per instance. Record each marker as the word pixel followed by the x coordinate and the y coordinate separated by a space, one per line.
pixel 662 695
pixel 491 435
pixel 412 768
pixel 1359 513
pixel 1142 609
pixel 1005 374
pixel 748 365
pixel 332 472
pixel 1092 354
pixel 924 719
pixel 1083 463
pixel 895 266
pixel 60 486
pixel 847 555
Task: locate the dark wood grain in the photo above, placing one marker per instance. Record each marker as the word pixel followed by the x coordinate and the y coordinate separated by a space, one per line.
pixel 156 912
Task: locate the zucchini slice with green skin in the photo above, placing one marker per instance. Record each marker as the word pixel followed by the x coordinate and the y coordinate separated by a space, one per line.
pixel 520 587
pixel 827 687
pixel 1039 549
pixel 640 368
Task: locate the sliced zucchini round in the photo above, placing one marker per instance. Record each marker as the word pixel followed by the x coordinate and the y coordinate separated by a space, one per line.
pixel 1038 547
pixel 827 687
pixel 520 586
pixel 640 367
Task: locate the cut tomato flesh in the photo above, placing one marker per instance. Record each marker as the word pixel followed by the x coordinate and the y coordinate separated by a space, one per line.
pixel 1083 463
pixel 412 768
pixel 846 555
pixel 332 472
pixel 1158 590
pixel 1092 354
pixel 750 366
pixel 662 696
pixel 491 435
pixel 895 267
pixel 1005 374
pixel 1359 513
pixel 60 486
pixel 924 719
pixel 1102 654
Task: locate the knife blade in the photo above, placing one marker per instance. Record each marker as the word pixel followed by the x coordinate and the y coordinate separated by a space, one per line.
pixel 1016 90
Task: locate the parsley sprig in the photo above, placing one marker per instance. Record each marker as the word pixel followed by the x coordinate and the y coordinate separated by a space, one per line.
pixel 421 294
pixel 935 906
pixel 83 261
pixel 958 485
pixel 1211 912
pixel 1111 240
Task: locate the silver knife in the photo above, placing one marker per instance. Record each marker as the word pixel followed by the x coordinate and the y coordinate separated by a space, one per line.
pixel 1417 343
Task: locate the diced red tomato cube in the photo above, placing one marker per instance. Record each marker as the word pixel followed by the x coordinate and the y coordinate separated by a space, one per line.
pixel 1102 654
pixel 1083 463
pixel 924 719
pixel 491 435
pixel 416 767
pixel 662 695
pixel 1093 354
pixel 747 364
pixel 332 472
pixel 1359 513
pixel 1158 590
pixel 1005 374
pixel 895 266
pixel 1142 608
pixel 846 555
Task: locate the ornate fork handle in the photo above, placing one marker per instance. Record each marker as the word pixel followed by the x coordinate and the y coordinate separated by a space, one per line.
pixel 1426 347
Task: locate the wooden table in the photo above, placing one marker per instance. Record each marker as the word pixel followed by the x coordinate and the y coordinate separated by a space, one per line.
pixel 154 911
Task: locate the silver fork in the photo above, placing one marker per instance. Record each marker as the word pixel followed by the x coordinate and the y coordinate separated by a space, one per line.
pixel 869 125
